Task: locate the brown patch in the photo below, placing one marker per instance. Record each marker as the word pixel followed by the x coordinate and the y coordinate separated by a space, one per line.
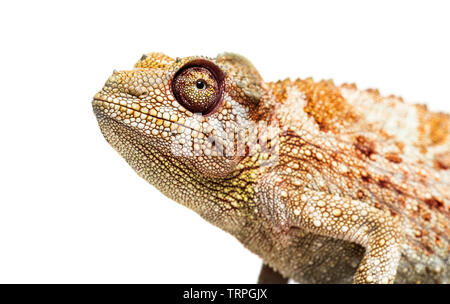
pixel 325 103
pixel 365 146
pixel 435 202
pixel 427 247
pixel 384 181
pixel 365 176
pixel 392 157
pixel 438 241
pixel 427 217
pixel 442 160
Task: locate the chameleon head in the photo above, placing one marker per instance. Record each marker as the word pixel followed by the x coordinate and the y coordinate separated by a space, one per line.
pixel 187 111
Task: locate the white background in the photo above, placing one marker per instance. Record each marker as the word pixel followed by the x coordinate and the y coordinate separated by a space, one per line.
pixel 71 210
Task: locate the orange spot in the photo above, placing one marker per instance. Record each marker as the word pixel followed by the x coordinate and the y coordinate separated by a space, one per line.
pixel 392 157
pixel 360 194
pixel 325 103
pixel 365 146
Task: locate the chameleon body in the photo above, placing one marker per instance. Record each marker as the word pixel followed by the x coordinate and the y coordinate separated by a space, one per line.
pixel 326 183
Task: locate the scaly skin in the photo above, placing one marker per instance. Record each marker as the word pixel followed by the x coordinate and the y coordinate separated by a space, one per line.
pixel 342 184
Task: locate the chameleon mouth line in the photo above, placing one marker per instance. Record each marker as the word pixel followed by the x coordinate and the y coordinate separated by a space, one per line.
pixel 102 102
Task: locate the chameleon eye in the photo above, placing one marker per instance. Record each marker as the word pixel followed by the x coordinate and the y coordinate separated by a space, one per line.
pixel 198 86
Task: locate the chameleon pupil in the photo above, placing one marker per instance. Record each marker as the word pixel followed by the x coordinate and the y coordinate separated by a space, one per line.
pixel 200 84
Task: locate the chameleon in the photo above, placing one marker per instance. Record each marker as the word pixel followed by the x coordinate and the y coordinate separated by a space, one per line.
pixel 325 183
